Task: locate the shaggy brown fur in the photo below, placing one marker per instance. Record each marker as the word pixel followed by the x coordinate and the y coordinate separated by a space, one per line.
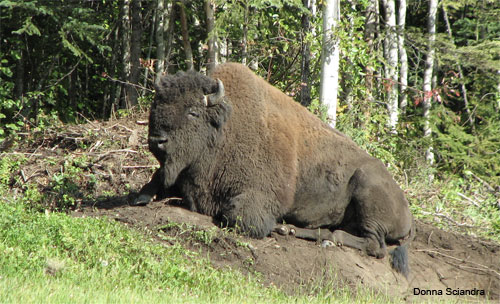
pixel 257 157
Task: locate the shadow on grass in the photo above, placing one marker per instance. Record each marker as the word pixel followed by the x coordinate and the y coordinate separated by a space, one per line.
pixel 111 202
pixel 117 201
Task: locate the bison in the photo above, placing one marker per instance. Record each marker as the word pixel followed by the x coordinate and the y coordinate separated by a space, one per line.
pixel 238 149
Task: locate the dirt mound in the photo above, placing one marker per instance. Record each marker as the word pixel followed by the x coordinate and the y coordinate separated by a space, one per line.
pixel 105 163
pixel 441 262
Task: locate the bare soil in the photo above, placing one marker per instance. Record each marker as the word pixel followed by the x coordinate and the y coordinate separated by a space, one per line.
pixel 114 163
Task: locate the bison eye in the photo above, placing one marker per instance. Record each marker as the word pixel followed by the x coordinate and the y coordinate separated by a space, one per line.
pixel 193 114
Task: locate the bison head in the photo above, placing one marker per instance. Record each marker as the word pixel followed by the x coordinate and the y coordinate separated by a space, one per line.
pixel 185 122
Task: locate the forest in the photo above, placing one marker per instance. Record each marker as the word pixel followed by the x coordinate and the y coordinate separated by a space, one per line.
pixel 418 82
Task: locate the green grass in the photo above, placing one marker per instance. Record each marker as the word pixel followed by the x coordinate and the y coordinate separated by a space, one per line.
pixel 55 258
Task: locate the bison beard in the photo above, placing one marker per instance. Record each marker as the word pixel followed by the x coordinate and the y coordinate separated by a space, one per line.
pixel 238 149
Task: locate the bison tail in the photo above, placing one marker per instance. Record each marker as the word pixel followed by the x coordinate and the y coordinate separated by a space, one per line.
pixel 400 254
pixel 400 260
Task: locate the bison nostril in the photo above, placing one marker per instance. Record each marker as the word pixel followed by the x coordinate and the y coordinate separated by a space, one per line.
pixel 157 142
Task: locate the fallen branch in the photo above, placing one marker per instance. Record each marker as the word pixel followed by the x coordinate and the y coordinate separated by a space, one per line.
pixel 488 186
pixel 21 153
pixel 126 83
pixel 122 126
pixel 24 177
pixel 449 219
pixel 469 199
pixel 139 167
pixel 88 120
pixel 121 151
pixel 96 146
pixel 481 267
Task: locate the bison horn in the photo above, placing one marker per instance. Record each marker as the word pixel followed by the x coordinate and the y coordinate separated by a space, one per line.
pixel 217 96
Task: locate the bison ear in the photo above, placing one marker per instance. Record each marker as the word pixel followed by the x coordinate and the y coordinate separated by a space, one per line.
pixel 219 114
pixel 163 89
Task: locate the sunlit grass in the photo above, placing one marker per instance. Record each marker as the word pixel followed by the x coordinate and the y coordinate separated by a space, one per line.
pixel 55 258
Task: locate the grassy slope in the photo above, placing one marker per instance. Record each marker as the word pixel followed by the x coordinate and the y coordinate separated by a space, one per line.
pixel 54 258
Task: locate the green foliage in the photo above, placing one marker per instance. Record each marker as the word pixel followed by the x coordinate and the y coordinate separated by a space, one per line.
pixel 457 204
pixel 273 38
pixel 460 151
pixel 8 166
pixel 356 55
pixel 64 190
pixel 191 233
pixel 50 51
pixel 319 110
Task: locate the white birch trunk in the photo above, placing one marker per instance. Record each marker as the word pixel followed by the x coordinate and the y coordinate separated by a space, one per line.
pixel 429 67
pixel 160 41
pixel 330 56
pixel 391 71
pixel 403 57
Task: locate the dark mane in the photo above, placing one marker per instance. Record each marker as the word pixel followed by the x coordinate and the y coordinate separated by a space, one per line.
pixel 171 87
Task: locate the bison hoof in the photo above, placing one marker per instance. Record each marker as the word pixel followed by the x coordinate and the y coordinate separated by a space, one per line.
pixel 327 243
pixel 283 230
pixel 141 200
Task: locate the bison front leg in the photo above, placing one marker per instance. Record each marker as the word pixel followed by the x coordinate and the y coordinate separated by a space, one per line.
pixel 250 213
pixel 149 190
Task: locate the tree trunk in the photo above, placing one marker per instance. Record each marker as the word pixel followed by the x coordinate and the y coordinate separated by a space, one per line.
pixel 112 101
pixel 125 39
pixel 19 82
pixel 244 38
pixel 391 57
pixel 148 65
pixel 330 56
pixel 160 41
pixel 347 90
pixel 135 54
pixel 185 37
pixel 428 72
pixel 470 119
pixel 371 24
pixel 403 57
pixel 212 38
pixel 305 90
pixel 72 89
pixel 170 35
